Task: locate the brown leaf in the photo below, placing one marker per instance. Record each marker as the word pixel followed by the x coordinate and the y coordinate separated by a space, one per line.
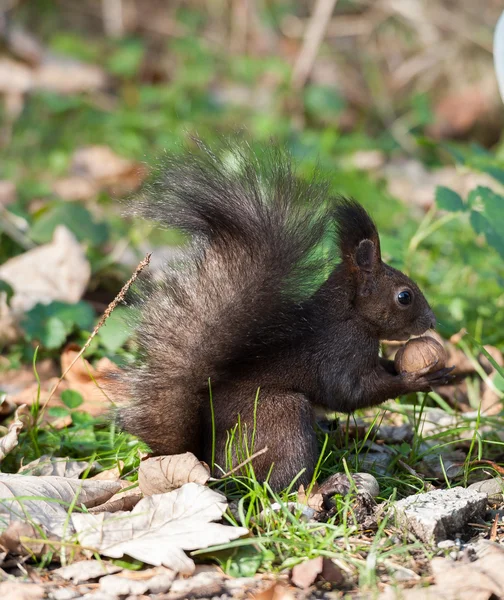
pixel 103 166
pixel 10 538
pixel 88 380
pixel 315 500
pixel 164 473
pixel 75 188
pixel 12 590
pixel 304 574
pixel 277 591
pixel 124 501
pixel 7 192
pixel 458 111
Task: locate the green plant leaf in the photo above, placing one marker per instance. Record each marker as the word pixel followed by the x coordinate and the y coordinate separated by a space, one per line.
pixel 71 398
pixel 447 199
pixel 50 324
pixel 7 289
pixel 487 216
pixel 76 217
pixel 114 332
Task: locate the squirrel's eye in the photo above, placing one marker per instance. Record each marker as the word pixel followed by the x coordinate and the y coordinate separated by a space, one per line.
pixel 404 297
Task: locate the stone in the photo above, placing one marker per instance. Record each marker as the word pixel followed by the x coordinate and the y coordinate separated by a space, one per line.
pixel 440 514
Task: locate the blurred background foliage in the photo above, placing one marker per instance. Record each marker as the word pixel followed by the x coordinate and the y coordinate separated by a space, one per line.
pixel 396 102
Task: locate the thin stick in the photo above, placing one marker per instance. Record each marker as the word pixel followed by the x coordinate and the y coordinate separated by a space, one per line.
pixel 313 37
pixel 105 316
pixel 245 462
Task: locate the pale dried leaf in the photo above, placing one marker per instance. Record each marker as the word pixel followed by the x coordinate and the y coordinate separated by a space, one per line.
pixel 124 501
pixel 52 496
pixel 58 270
pixel 127 583
pixel 160 527
pixel 7 192
pixel 315 500
pixel 54 466
pixel 89 381
pixel 110 474
pixel 68 76
pixel 9 441
pixel 75 188
pixel 85 570
pixel 11 538
pixel 304 574
pixel 165 473
pixel 12 590
pixel 15 77
pixel 277 591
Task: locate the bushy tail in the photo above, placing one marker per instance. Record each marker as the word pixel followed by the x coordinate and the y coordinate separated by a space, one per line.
pixel 255 232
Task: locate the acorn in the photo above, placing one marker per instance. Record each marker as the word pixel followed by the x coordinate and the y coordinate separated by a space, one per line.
pixel 420 353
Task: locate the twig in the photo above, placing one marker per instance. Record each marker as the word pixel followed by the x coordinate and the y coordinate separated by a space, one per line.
pixel 245 462
pixel 314 35
pixel 105 316
pixel 113 18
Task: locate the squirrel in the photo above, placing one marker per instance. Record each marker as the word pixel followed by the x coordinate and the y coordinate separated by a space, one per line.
pixel 259 322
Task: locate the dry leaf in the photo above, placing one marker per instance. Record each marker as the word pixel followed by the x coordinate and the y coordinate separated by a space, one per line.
pixel 10 538
pixel 68 76
pixel 127 583
pixel 277 591
pixel 12 590
pixel 9 441
pixel 58 270
pixel 75 188
pixel 85 570
pixel 124 501
pixel 56 467
pixel 105 168
pixel 88 380
pixel 52 496
pixel 304 574
pixel 7 193
pixel 160 527
pixel 315 500
pixel 165 473
pixel 15 77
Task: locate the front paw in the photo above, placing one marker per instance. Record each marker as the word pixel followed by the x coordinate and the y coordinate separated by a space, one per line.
pixel 425 379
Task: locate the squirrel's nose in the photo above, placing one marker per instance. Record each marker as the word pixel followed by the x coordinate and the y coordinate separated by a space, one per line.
pixel 432 320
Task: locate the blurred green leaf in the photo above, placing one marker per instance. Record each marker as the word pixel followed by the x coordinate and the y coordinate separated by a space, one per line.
pixel 7 289
pixel 125 61
pixel 114 333
pixel 447 199
pixel 321 100
pixel 71 398
pixel 487 216
pixel 76 217
pixel 50 324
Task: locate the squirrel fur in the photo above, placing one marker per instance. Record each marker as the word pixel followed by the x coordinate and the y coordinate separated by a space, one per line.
pixel 257 318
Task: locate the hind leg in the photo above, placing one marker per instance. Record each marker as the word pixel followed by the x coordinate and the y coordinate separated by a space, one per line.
pixel 284 425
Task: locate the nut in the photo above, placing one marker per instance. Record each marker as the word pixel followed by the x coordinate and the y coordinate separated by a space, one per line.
pixel 420 353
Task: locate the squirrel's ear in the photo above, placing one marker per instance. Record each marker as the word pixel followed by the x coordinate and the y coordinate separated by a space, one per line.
pixel 357 236
pixel 367 256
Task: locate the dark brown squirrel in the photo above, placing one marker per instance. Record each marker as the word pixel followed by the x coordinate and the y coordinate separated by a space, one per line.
pixel 256 305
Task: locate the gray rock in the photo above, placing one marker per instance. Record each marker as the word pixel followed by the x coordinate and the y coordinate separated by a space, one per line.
pixel 440 514
pixel 492 488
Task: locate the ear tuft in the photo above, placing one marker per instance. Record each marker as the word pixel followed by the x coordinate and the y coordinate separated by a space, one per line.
pixel 354 226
